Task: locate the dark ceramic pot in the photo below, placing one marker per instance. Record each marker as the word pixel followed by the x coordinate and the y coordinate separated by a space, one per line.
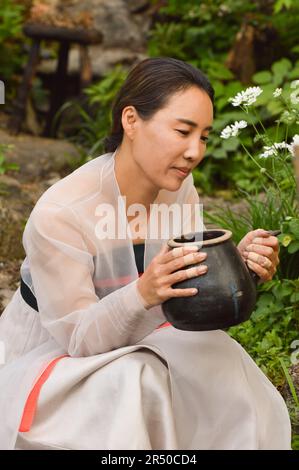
pixel 226 293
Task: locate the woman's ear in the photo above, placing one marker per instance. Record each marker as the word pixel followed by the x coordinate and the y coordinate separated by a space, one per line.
pixel 129 121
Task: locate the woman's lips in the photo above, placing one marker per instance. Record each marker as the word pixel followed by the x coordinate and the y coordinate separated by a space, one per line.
pixel 181 173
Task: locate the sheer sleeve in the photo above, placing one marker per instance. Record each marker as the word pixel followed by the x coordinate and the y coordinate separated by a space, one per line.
pixel 61 269
pixel 193 199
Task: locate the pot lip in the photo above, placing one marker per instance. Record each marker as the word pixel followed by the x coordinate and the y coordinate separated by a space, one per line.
pixel 227 234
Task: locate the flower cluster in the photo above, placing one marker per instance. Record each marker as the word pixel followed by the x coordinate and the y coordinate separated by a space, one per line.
pixel 247 97
pixel 271 150
pixel 233 129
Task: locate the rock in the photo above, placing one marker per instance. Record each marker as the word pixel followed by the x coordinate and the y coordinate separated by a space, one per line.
pixel 115 19
pixel 102 60
pixel 5 296
pixel 38 156
pixel 124 25
pixel 12 222
pixel 9 281
pixel 138 6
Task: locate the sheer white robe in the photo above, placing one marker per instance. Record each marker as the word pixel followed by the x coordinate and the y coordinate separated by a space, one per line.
pixel 126 384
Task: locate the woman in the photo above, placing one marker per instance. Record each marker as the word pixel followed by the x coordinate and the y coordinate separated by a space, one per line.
pixel 90 361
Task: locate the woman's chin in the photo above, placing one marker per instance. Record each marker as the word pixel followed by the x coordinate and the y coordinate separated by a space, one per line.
pixel 173 184
pixel 169 183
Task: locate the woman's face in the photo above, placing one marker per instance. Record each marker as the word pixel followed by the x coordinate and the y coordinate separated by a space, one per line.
pixel 166 142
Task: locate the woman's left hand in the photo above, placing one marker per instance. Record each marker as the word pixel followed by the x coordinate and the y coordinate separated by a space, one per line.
pixel 260 251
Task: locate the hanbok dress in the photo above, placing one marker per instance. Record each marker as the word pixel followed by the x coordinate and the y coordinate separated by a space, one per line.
pixel 88 366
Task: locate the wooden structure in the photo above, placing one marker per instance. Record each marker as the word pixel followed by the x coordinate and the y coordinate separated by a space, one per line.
pixel 65 37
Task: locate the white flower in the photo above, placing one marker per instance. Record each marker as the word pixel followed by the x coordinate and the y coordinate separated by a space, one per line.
pixel 247 97
pixel 267 153
pixel 226 133
pixel 295 140
pixel 240 124
pixel 295 84
pixel 294 143
pixel 294 97
pixel 272 149
pixel 233 129
pixel 277 92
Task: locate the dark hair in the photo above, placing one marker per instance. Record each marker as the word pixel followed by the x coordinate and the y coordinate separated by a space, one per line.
pixel 148 87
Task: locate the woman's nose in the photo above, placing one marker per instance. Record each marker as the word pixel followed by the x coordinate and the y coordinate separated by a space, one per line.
pixel 194 152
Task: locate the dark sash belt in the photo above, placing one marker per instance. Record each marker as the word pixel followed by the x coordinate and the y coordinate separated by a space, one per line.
pixel 31 300
pixel 28 296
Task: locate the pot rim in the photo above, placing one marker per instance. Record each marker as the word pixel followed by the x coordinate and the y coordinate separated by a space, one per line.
pixel 227 234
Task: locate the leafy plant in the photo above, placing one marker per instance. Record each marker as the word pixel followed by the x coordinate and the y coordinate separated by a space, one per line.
pixel 273 326
pixel 10 31
pixel 201 33
pixel 4 165
pixel 96 118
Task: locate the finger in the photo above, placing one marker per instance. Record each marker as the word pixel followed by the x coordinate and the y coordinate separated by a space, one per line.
pixel 183 261
pixel 181 292
pixel 260 260
pixel 263 273
pixel 260 232
pixel 274 259
pixel 254 234
pixel 186 274
pixel 179 252
pixel 260 249
pixel 164 249
pixel 270 241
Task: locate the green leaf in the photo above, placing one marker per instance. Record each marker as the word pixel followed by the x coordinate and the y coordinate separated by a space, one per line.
pixel 221 103
pixel 262 77
pixel 219 153
pixel 282 290
pixel 294 227
pixel 295 297
pixel 281 68
pixel 265 300
pixel 293 247
pixel 218 88
pixel 287 240
pixel 220 72
pixel 231 144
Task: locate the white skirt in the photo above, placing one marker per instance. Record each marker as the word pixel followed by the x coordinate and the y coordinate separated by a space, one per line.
pixel 174 390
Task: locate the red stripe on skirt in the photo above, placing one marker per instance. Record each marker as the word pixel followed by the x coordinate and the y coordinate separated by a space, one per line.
pixel 31 402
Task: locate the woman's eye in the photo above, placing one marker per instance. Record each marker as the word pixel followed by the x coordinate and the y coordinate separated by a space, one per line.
pixel 203 138
pixel 183 132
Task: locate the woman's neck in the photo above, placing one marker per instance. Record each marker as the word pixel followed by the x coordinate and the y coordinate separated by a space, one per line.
pixel 132 182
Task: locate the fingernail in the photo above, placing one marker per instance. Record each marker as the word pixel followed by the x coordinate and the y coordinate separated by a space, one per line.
pixel 202 269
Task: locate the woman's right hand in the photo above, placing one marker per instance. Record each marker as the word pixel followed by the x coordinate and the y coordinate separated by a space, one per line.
pixel 155 283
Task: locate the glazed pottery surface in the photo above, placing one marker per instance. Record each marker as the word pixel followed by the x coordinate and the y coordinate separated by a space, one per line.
pixel 226 293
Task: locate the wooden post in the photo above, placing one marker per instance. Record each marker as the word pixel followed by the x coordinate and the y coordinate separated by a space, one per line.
pixel 19 106
pixel 58 88
pixel 85 67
